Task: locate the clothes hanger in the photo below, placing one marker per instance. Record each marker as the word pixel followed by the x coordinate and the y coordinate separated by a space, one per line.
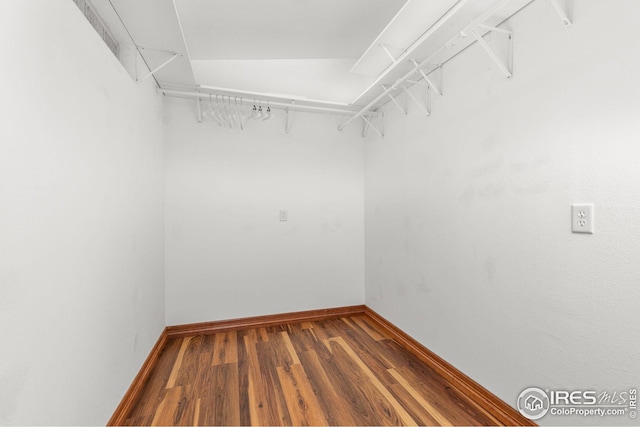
pixel 268 114
pixel 240 114
pixel 256 113
pixel 212 112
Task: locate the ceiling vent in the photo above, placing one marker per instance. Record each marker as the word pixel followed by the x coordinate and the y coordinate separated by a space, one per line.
pixel 94 19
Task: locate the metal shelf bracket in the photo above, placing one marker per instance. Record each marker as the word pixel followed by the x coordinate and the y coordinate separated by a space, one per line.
pixel 435 83
pixel 566 12
pixel 287 125
pixel 505 66
pixel 199 105
pixel 427 107
pixel 367 124
pixel 173 56
pixel 404 108
pixel 386 47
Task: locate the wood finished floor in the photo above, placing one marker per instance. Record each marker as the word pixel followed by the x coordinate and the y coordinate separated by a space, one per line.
pixel 342 371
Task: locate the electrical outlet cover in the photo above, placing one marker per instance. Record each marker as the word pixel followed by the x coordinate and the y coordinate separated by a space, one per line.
pixel 582 218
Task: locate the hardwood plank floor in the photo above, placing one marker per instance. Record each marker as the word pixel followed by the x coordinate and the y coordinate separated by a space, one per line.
pixel 341 371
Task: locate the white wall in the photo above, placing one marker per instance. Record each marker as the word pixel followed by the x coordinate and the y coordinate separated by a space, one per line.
pixel 468 241
pixel 227 253
pixel 81 219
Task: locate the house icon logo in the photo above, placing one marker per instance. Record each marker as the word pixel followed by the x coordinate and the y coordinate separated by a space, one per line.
pixel 533 403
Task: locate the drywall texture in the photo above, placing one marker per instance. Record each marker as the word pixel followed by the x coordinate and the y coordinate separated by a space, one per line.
pixel 81 189
pixel 468 240
pixel 227 253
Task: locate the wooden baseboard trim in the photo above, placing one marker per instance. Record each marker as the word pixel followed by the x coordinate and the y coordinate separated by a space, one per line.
pixel 483 397
pixel 119 416
pixel 262 321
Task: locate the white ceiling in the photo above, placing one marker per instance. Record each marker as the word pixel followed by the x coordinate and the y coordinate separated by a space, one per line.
pixel 282 29
pixel 328 80
pixel 300 49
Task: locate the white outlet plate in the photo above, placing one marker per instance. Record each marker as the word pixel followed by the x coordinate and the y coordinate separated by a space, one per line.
pixel 582 218
pixel 284 216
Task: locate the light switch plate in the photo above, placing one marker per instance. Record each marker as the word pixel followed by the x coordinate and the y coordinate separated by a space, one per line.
pixel 582 218
pixel 284 216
